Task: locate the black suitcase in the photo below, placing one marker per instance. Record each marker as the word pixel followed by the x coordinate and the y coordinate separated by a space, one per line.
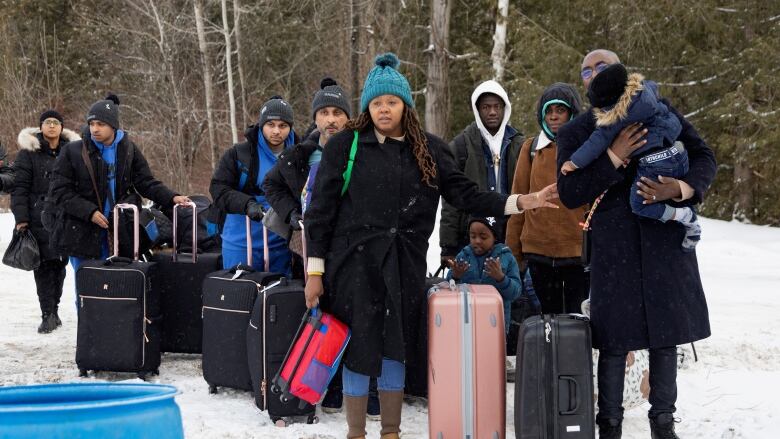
pixel 554 385
pixel 119 313
pixel 228 298
pixel 179 280
pixel 272 327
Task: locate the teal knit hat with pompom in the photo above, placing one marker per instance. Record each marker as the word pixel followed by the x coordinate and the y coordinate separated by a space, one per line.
pixel 384 79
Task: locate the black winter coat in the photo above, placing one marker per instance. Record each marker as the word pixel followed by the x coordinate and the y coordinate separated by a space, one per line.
pixel 284 183
pixel 72 189
pixel 374 238
pixel 645 291
pixel 33 169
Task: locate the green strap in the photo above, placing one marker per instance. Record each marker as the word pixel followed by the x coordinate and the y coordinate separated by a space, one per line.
pixel 348 173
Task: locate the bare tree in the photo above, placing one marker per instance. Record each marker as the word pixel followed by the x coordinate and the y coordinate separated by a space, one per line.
pixel 437 99
pixel 229 71
pixel 499 41
pixel 240 64
pixel 208 90
pixel 354 55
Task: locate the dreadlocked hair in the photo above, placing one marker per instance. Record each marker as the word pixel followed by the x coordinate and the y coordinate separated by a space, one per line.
pixel 415 135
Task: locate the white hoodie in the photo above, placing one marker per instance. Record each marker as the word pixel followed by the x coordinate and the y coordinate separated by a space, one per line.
pixel 494 142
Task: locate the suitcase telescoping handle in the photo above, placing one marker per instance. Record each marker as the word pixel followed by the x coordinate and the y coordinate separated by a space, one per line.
pixel 305 254
pixel 249 245
pixel 194 208
pixel 134 208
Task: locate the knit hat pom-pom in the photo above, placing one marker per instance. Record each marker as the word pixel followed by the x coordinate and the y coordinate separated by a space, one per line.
pixel 327 82
pixel 387 60
pixel 113 98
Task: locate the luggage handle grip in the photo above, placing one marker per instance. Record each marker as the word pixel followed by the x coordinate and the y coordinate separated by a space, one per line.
pixel 134 208
pixel 267 263
pixel 113 260
pixel 573 387
pixel 194 208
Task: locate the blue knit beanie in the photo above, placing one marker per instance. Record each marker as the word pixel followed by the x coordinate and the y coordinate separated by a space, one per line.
pixel 384 79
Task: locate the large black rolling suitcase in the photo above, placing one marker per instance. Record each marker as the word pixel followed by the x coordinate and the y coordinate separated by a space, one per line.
pixel 228 298
pixel 119 312
pixel 272 328
pixel 554 384
pixel 179 280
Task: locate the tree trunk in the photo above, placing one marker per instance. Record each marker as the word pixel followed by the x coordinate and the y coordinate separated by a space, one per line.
pixel 206 66
pixel 354 56
pixel 437 99
pixel 229 69
pixel 241 82
pixel 499 41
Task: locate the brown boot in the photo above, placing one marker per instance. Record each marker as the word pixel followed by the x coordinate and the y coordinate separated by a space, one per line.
pixel 390 404
pixel 355 408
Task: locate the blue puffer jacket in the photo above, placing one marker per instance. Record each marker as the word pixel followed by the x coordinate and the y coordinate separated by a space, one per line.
pixel 640 102
pixel 510 288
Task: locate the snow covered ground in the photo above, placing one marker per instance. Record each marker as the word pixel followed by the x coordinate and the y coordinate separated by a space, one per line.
pixel 733 392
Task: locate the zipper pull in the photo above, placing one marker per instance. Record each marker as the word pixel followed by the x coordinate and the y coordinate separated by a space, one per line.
pixel 547 331
pixel 146 338
pixel 147 320
pixel 496 159
pixel 262 387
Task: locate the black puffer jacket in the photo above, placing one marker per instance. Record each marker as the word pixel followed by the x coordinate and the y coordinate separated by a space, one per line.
pixel 71 189
pixel 284 183
pixel 32 170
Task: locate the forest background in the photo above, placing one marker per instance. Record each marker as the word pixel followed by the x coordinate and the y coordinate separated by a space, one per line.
pixel 192 74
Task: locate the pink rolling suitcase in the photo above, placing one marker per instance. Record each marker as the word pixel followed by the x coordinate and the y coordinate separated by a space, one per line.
pixel 467 369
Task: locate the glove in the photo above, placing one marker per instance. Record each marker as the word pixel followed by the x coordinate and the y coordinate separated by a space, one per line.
pixel 255 211
pixel 295 219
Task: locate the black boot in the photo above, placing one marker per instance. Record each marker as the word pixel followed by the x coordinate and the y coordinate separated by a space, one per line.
pixel 48 324
pixel 610 429
pixel 662 427
pixel 57 318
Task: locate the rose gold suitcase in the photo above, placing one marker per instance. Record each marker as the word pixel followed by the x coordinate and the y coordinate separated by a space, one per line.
pixel 467 369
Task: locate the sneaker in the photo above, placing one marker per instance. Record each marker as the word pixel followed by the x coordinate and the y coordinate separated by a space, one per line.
pixel 610 429
pixel 372 410
pixel 692 234
pixel 331 403
pixel 662 427
pixel 48 324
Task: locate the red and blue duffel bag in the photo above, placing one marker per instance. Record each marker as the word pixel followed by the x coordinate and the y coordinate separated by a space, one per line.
pixel 313 358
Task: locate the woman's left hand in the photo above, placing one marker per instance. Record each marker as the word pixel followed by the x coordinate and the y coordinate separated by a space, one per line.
pixel 539 199
pixel 666 188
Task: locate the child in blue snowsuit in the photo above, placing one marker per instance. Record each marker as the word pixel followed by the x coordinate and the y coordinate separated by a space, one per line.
pixel 486 261
pixel 619 100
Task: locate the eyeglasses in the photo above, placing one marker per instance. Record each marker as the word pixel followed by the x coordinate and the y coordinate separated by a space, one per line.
pixel 587 72
pixel 51 122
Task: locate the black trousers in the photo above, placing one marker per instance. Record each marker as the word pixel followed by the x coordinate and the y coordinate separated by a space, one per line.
pixel 663 382
pixel 561 289
pixel 49 278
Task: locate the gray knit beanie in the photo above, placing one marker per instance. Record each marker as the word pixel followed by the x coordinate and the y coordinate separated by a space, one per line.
pixel 106 110
pixel 276 108
pixel 330 95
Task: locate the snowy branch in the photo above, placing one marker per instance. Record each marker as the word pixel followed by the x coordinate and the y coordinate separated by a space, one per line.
pixel 695 112
pixel 689 83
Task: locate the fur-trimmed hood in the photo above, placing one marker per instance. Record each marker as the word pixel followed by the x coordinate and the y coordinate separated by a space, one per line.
pixel 606 117
pixel 28 138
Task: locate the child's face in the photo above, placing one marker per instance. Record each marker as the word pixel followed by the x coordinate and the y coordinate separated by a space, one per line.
pixel 481 238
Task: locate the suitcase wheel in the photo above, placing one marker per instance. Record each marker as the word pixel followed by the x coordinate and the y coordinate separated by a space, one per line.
pixel 312 419
pixel 275 389
pixel 284 399
pixel 83 373
pixel 279 422
pixel 212 389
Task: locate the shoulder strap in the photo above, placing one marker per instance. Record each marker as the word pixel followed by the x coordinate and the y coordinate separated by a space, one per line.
pixel 348 172
pixel 461 152
pixel 243 162
pixel 532 149
pixel 91 171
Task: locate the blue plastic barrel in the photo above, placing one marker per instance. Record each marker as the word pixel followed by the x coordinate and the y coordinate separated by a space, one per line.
pixel 93 410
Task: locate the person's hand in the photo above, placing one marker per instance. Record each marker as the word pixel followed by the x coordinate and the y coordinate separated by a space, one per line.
pixel 567 167
pixel 99 219
pixel 313 291
pixel 295 220
pixel 493 269
pixel 255 211
pixel 628 140
pixel 21 226
pixel 659 191
pixel 447 260
pixel 458 268
pixel 539 199
pixel 181 199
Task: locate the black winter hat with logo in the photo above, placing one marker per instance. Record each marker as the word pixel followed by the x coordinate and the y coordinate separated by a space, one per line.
pixel 330 95
pixel 105 110
pixel 275 108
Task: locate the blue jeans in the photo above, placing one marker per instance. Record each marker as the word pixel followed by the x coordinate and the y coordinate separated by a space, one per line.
pixel 391 380
pixel 279 259
pixel 668 162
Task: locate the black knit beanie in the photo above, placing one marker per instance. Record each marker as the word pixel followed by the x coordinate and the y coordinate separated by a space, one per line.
pixel 106 110
pixel 330 95
pixel 607 87
pixel 276 108
pixel 490 222
pixel 50 114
